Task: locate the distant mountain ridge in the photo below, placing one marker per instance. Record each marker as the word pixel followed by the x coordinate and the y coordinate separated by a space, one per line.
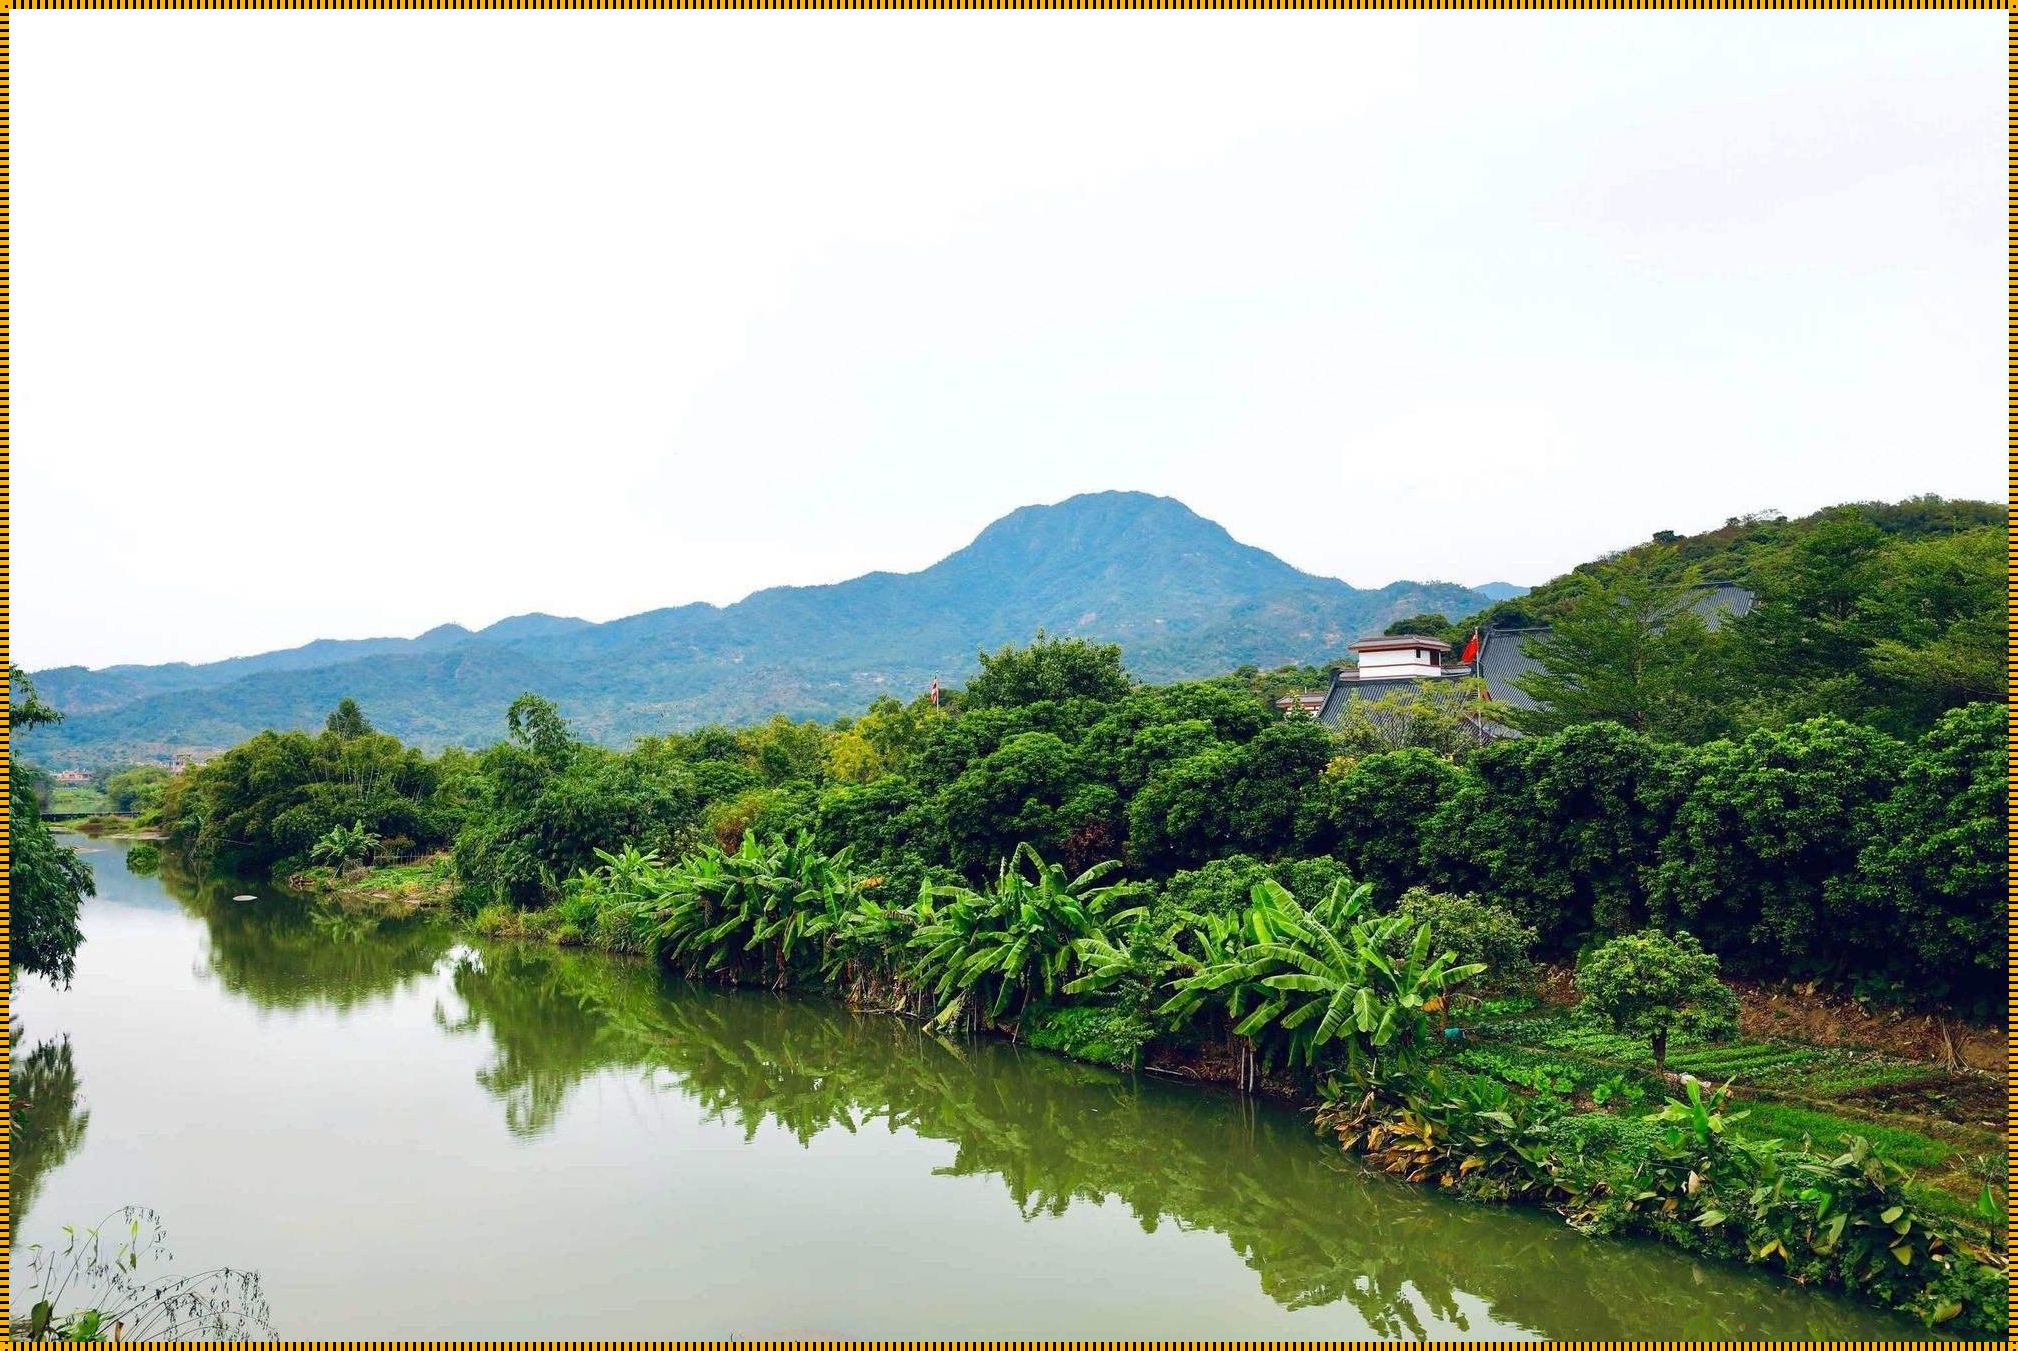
pixel 1181 596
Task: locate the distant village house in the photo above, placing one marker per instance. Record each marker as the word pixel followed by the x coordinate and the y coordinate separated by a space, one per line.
pixel 1393 663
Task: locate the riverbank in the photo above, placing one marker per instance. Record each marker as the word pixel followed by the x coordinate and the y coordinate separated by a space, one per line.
pixel 1527 1105
pixel 419 884
pixel 679 1133
pixel 107 826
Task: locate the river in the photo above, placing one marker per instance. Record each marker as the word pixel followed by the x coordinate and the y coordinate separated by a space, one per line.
pixel 409 1134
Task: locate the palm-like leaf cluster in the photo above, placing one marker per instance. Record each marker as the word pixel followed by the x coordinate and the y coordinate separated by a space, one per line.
pixel 1306 980
pixel 758 915
pixel 344 847
pixel 983 950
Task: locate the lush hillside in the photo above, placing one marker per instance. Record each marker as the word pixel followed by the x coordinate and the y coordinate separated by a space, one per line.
pixel 1887 614
pixel 1180 595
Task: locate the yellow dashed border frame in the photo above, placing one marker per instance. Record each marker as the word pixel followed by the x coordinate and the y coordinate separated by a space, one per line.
pixel 6 752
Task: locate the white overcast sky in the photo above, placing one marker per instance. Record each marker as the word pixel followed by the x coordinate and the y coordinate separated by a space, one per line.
pixel 348 324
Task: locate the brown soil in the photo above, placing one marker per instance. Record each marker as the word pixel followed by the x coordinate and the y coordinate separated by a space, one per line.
pixel 1803 1013
pixel 1963 1099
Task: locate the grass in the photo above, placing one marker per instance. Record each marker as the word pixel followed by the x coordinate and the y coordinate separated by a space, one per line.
pixel 426 881
pixel 1552 1051
pixel 72 799
pixel 1785 1121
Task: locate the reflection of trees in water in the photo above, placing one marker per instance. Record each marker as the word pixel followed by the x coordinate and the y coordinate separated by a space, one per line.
pixel 555 1018
pixel 47 1123
pixel 1313 1227
pixel 288 952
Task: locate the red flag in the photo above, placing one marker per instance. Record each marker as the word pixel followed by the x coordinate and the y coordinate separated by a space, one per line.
pixel 1471 648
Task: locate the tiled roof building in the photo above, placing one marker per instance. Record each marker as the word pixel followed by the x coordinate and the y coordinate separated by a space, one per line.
pixel 1386 666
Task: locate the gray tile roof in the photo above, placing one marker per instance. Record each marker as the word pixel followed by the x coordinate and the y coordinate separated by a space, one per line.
pixel 1503 657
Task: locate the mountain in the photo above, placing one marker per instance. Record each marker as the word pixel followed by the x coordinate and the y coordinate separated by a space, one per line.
pixel 1500 590
pixel 1181 596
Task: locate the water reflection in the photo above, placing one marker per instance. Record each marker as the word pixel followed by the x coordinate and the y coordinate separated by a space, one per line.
pixel 48 1124
pixel 1313 1227
pixel 290 952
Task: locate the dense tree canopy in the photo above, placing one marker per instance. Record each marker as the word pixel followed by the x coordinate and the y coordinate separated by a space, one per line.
pixel 1820 847
pixel 47 883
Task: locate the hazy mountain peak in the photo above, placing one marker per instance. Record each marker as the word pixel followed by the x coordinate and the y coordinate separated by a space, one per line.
pixel 1180 594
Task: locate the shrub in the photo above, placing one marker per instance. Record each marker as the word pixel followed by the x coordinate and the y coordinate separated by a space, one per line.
pixel 1479 932
pixel 1650 985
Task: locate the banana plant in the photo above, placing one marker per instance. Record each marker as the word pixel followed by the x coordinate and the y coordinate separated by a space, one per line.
pixel 1315 980
pixel 983 950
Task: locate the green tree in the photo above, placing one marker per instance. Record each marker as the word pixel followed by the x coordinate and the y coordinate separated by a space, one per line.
pixel 547 802
pixel 47 883
pixel 1373 813
pixel 136 788
pixel 347 720
pixel 25 708
pixel 1625 647
pixel 1647 984
pixel 1048 669
pixel 1762 855
pixel 1451 718
pixel 1562 829
pixel 1476 932
pixel 1032 790
pixel 1428 625
pixel 1934 861
pixel 1229 798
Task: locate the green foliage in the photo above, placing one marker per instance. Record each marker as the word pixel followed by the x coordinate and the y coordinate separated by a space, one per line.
pixel 1687 1174
pixel 545 803
pixel 1098 1034
pixel 1650 985
pixel 1450 718
pixel 759 915
pixel 982 951
pixel 1048 669
pixel 1476 932
pixel 268 801
pixel 1625 646
pixel 1822 847
pixel 1560 829
pixel 1242 798
pixel 93 1288
pixel 1765 843
pixel 1934 861
pixel 25 708
pixel 1428 625
pixel 47 883
pixel 136 789
pixel 1319 980
pixel 1374 814
pixel 345 847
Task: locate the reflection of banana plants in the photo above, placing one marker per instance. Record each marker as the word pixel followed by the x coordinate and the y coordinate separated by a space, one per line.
pixel 1315 1228
pixel 47 1123
pixel 555 1019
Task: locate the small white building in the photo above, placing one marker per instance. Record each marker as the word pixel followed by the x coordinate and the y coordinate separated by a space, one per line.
pixel 1395 656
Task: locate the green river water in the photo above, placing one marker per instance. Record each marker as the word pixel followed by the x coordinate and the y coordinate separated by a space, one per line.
pixel 409 1134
